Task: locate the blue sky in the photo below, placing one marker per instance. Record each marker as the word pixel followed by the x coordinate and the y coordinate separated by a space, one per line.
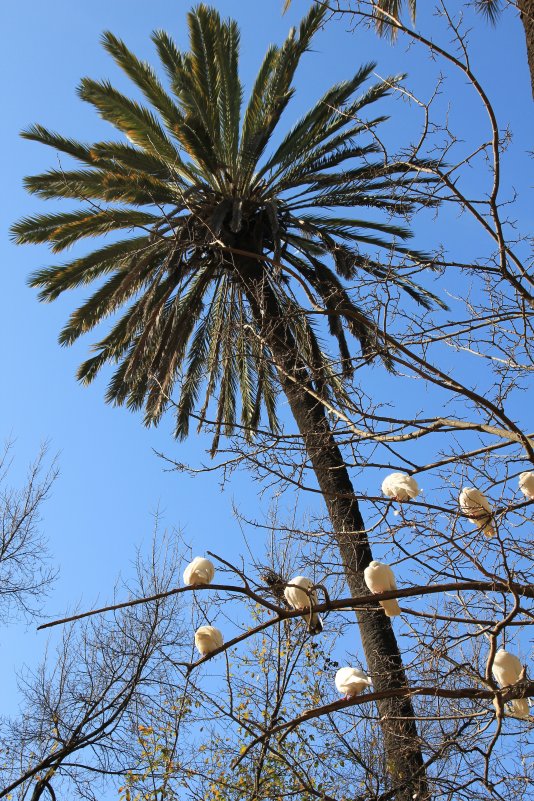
pixel 111 482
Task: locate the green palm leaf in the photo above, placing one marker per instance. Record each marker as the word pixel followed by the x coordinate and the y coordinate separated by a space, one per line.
pixel 223 234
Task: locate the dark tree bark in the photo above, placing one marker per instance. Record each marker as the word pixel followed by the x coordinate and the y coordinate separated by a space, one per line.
pixel 401 740
pixel 526 8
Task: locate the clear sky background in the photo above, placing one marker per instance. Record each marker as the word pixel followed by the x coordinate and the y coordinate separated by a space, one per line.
pixel 111 481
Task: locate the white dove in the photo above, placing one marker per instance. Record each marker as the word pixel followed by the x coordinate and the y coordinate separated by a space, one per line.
pixel 400 487
pixel 208 639
pixel 526 484
pixel 379 578
pixel 507 669
pixel 351 681
pixel 476 507
pixel 299 594
pixel 199 571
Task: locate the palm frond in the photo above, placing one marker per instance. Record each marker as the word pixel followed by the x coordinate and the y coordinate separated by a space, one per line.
pixel 115 187
pixel 63 229
pixel 142 316
pixel 197 360
pixel 275 91
pixel 490 9
pixel 204 31
pixel 169 54
pixel 230 92
pixel 136 122
pixel 386 12
pixel 319 123
pixel 116 292
pixel 184 312
pixel 113 155
pixel 145 78
pixel 82 271
pixel 38 133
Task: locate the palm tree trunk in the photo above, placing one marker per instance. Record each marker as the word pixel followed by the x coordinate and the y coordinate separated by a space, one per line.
pixel 401 741
pixel 526 10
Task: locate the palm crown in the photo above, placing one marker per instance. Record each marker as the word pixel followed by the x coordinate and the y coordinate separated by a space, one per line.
pixel 203 197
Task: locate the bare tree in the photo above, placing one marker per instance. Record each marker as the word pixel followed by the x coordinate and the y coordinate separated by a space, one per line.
pixel 388 16
pixel 260 718
pixel 81 705
pixel 26 573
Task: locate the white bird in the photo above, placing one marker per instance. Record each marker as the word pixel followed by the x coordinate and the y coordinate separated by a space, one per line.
pixel 400 487
pixel 507 670
pixel 299 594
pixel 199 571
pixel 351 681
pixel 379 577
pixel 208 639
pixel 526 484
pixel 476 507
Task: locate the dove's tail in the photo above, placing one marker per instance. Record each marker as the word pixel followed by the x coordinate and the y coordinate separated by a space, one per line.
pixel 315 624
pixel 391 608
pixel 519 707
pixel 488 530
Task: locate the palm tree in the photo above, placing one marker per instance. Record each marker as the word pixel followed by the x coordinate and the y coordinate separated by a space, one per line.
pixel 224 241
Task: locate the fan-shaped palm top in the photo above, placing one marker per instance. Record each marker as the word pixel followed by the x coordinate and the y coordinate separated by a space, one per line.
pixel 225 242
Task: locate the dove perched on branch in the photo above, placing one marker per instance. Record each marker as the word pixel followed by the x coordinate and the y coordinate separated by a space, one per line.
pixel 199 571
pixel 476 507
pixel 299 594
pixel 351 681
pixel 507 670
pixel 400 487
pixel 526 484
pixel 208 639
pixel 379 578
